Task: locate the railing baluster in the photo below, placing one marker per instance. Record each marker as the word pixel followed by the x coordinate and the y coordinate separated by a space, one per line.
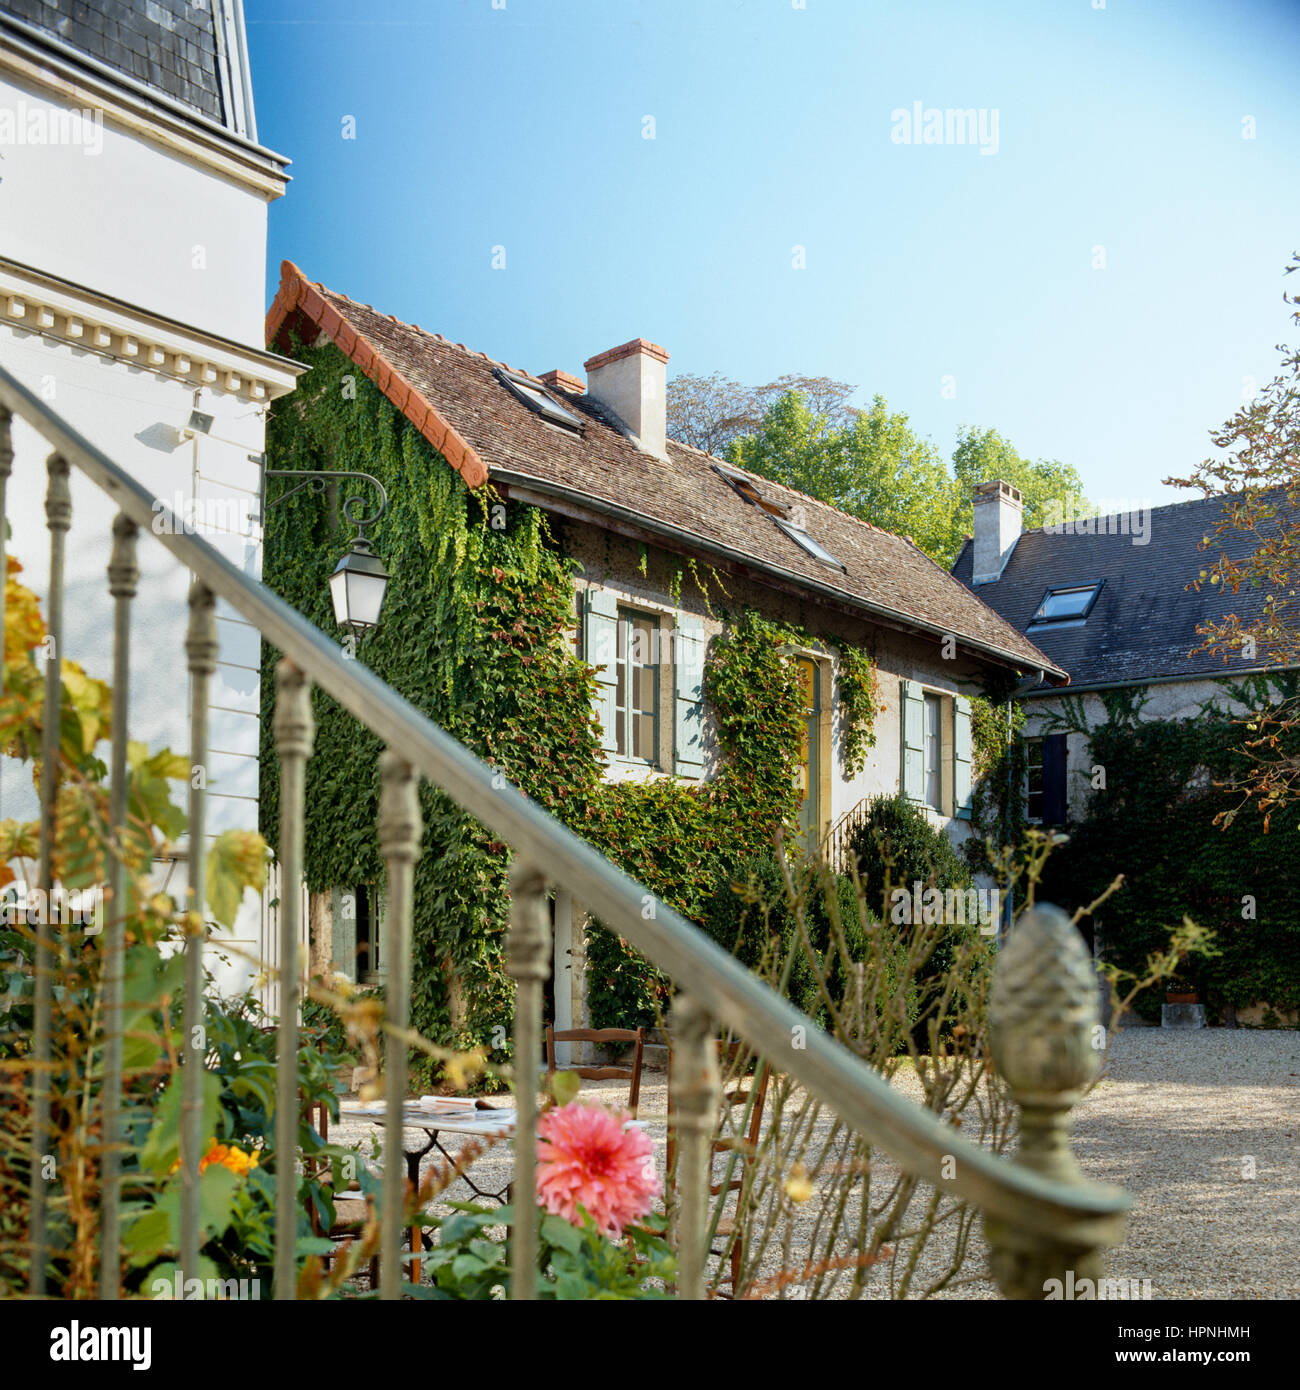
pixel 6 467
pixel 696 1090
pixel 400 834
pixel 201 649
pixel 295 731
pixel 123 577
pixel 528 960
pixel 58 518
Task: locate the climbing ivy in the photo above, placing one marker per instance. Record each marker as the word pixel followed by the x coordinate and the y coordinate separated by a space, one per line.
pixel 997 780
pixel 1154 821
pixel 859 695
pixel 477 634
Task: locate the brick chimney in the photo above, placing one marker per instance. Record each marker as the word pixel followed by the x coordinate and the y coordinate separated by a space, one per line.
pixel 563 381
pixel 998 509
pixel 632 381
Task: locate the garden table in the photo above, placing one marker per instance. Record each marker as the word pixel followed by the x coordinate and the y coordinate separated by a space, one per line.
pixel 482 1124
pixel 494 1124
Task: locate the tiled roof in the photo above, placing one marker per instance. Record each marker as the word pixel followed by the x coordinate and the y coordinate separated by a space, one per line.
pixel 453 395
pixel 1143 624
pixel 169 45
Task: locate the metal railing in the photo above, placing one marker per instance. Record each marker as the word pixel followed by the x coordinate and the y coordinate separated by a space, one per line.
pixel 835 843
pixel 1041 1215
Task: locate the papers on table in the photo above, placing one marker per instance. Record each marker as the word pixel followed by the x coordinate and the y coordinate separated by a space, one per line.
pixel 444 1105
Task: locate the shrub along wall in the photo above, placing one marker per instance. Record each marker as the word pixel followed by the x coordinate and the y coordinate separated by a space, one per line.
pixel 1154 823
pixel 476 635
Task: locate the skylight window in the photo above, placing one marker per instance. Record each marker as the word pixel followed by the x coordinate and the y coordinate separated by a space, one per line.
pixel 1068 604
pixel 537 400
pixel 814 548
pixel 749 490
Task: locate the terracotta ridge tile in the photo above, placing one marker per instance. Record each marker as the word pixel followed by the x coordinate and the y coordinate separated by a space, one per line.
pixel 312 299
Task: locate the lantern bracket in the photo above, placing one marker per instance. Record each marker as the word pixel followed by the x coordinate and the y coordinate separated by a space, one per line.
pixel 318 479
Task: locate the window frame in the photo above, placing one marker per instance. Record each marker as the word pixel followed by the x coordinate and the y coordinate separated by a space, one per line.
pixel 748 490
pixel 810 545
pixel 526 392
pixel 1038 620
pixel 933 700
pixel 1037 742
pixel 623 669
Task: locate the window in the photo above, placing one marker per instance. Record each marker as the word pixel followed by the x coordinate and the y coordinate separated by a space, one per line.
pixel 1034 780
pixel 536 399
pixel 1046 774
pixel 1067 604
pixel 817 551
pixel 933 752
pixel 749 490
pixel 636 687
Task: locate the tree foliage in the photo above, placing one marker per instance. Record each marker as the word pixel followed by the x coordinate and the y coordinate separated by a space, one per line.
pixel 1258 478
pixel 802 432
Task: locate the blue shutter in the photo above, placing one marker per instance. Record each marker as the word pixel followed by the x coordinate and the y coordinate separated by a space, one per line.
pixel 961 758
pixel 1055 762
pixel 912 770
pixel 688 702
pixel 600 643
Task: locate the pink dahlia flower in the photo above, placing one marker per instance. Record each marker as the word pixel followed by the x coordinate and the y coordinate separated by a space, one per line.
pixel 585 1156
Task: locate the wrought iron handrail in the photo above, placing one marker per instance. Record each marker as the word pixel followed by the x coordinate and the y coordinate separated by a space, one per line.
pixel 1037 1206
pixel 835 842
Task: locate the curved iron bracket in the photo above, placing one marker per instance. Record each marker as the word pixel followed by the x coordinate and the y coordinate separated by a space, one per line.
pixel 318 480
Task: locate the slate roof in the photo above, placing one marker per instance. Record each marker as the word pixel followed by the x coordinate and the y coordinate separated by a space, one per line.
pixel 453 396
pixel 1143 624
pixel 169 45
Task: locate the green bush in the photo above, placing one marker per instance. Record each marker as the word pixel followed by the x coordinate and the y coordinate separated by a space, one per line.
pixel 753 916
pixel 896 847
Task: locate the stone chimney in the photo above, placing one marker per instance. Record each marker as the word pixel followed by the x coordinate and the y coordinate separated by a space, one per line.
pixel 998 509
pixel 632 381
pixel 563 381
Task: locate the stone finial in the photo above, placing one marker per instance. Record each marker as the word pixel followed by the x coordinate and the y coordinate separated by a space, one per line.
pixel 1044 1024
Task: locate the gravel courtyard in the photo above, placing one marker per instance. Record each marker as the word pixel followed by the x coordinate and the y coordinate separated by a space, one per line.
pixel 1203 1127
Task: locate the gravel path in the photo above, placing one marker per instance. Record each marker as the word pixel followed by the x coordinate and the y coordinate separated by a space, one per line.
pixel 1203 1127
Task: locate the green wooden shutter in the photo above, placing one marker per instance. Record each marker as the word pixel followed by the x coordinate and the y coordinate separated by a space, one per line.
pixel 600 643
pixel 688 702
pixel 961 759
pixel 912 780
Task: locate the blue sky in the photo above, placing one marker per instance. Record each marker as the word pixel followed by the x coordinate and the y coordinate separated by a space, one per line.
pixel 523 127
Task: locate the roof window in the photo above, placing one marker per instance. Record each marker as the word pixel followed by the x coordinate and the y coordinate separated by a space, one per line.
pixel 816 550
pixel 536 399
pixel 748 489
pixel 1072 603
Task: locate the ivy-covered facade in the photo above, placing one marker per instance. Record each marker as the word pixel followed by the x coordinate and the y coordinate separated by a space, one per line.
pixel 676 707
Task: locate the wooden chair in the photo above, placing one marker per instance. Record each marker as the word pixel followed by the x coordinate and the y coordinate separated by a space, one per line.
pixel 738 1084
pixel 632 1074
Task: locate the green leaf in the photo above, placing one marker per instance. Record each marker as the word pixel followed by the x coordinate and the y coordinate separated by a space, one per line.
pixel 162 1147
pixel 565 1086
pixel 556 1231
pixel 237 860
pixel 147 1237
